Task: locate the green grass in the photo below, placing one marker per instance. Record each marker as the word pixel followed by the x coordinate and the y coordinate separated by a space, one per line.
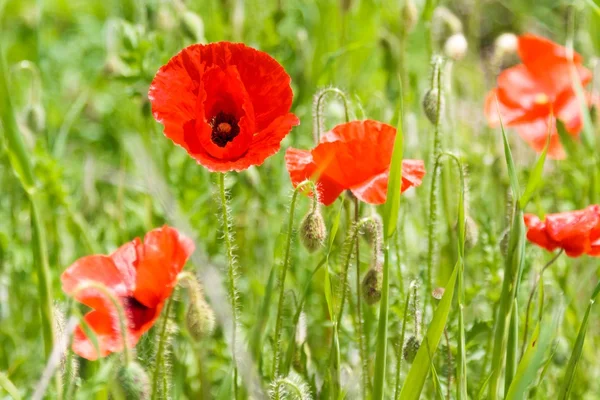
pixel 84 168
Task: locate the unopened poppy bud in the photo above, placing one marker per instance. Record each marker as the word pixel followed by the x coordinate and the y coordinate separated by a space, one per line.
pixel 471 232
pixel 430 105
pixel 371 286
pixel 438 293
pixel 373 230
pixel 35 118
pixel 456 46
pixel 506 43
pixel 504 240
pixel 410 15
pixel 444 24
pixel 313 231
pixel 411 347
pixel 200 318
pixel 132 382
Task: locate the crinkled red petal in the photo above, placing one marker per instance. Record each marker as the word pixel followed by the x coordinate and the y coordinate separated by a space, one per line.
pixel 164 253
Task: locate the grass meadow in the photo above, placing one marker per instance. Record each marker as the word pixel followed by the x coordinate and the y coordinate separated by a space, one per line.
pixel 440 293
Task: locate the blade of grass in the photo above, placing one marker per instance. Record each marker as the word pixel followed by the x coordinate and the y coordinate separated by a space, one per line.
pixel 415 380
pixel 9 387
pixel 567 385
pixel 536 174
pixel 531 362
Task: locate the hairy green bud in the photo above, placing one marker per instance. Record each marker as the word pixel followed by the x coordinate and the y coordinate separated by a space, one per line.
pixel 313 231
pixel 371 286
pixel 411 347
pixel 132 382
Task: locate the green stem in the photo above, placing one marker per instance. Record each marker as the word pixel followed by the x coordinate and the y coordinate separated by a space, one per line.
pixel 436 81
pixel 359 320
pixel 399 350
pixel 232 276
pixel 9 387
pixel 162 343
pixel 318 108
pixel 284 268
pixel 380 360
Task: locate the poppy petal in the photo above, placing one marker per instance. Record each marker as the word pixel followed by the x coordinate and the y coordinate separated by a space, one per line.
pixel 301 167
pixel 103 270
pixel 164 254
pixel 536 134
pixel 536 233
pixel 108 335
pixel 361 150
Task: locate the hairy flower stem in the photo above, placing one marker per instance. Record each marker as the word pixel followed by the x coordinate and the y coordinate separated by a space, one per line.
pixel 359 318
pixel 158 360
pixel 400 346
pixel 436 82
pixel 231 278
pixel 284 268
pixel 318 103
pixel 529 301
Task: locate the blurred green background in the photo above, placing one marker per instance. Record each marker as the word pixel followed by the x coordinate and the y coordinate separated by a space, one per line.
pixel 79 72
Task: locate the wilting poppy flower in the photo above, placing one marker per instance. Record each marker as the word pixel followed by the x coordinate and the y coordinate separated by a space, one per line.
pixel 225 103
pixel 141 275
pixel 576 232
pixel 353 156
pixel 529 93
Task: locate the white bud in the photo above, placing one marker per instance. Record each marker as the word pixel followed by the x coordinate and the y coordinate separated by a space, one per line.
pixel 456 46
pixel 506 43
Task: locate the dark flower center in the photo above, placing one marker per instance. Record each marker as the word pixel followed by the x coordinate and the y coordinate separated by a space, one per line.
pixel 224 129
pixel 137 313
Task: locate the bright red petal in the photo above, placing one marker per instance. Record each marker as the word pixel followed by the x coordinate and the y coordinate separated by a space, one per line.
pixel 548 63
pixel 536 134
pixel 301 167
pixel 536 233
pixel 116 272
pixel 518 86
pixel 162 257
pixel 563 226
pixel 361 151
pixel 107 333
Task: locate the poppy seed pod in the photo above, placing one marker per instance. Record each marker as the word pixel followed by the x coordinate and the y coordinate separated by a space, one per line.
pixel 371 286
pixel 430 105
pixel 313 231
pixel 410 15
pixel 411 347
pixel 132 382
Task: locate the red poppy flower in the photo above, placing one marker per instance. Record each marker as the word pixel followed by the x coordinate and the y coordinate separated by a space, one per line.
pixel 576 232
pixel 141 275
pixel 529 93
pixel 353 156
pixel 225 103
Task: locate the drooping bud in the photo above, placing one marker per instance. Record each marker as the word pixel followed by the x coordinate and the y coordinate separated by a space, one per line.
pixel 430 105
pixel 200 318
pixel 371 286
pixel 313 231
pixel 411 347
pixel 35 118
pixel 433 101
pixel 471 232
pixel 132 382
pixel 456 47
pixel 410 15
